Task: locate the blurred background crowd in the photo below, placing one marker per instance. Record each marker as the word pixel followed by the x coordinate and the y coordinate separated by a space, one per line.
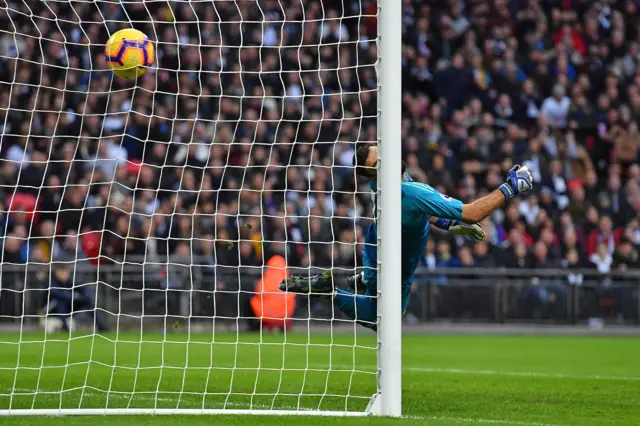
pixel 239 145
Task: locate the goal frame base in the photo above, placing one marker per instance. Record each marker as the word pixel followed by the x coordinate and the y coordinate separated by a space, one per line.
pixel 175 411
pixel 374 408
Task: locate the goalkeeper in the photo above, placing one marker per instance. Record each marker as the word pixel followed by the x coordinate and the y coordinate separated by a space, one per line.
pixel 421 206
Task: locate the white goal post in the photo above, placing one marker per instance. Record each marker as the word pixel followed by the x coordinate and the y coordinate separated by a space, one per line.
pixel 146 224
pixel 389 243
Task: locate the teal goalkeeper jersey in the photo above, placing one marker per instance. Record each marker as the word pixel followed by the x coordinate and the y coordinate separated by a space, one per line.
pixel 419 202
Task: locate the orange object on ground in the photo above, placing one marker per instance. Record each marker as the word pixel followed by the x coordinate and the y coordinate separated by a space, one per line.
pixel 271 305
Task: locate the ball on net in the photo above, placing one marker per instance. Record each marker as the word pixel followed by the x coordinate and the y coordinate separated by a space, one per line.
pixel 129 53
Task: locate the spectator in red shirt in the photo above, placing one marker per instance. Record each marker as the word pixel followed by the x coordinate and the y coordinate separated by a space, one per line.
pixel 605 234
pixel 571 37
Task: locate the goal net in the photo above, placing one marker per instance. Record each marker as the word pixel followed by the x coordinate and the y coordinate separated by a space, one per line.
pixel 146 224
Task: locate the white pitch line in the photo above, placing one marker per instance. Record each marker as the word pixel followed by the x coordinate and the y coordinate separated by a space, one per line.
pixel 533 374
pixel 520 374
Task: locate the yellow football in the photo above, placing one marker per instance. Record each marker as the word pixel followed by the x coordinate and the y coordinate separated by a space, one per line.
pixel 129 53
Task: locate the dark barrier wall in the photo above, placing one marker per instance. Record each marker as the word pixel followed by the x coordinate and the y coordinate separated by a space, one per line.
pixel 200 293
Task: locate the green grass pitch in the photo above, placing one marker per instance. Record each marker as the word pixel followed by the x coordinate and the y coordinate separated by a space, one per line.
pixel 447 380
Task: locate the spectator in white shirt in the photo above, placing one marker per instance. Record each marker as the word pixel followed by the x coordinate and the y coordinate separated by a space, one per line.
pixel 556 107
pixel 334 27
pixel 602 259
pixel 530 209
pixel 109 156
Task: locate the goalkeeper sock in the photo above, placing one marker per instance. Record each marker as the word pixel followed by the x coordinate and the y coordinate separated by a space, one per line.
pixel 357 307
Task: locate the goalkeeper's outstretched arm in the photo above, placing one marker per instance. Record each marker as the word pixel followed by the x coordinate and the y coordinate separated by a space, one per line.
pixel 424 199
pixel 519 180
pixel 482 207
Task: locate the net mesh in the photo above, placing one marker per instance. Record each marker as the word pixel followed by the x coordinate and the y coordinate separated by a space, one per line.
pixel 161 211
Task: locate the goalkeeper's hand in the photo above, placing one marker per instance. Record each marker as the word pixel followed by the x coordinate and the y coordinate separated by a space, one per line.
pixel 473 231
pixel 519 181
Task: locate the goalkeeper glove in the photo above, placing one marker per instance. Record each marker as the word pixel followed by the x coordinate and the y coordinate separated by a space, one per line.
pixel 519 181
pixel 473 231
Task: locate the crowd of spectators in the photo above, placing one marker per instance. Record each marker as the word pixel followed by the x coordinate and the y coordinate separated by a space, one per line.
pixel 238 145
pixel 552 85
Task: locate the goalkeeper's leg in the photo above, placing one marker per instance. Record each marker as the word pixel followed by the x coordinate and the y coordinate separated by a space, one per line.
pixel 361 308
pixel 364 308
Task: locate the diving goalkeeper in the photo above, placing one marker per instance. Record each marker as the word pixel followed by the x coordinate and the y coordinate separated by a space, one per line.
pixel 422 206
